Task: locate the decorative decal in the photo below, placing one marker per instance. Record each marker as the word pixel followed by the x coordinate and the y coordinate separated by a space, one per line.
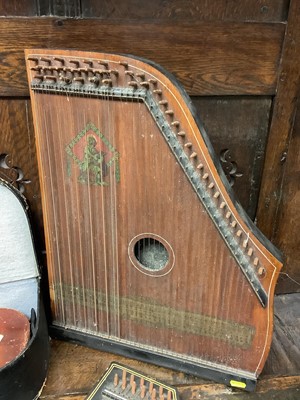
pixel 146 311
pixel 12 174
pixel 229 167
pixel 94 155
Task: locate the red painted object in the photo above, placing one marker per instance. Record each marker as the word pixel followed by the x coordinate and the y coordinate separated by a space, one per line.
pixel 14 334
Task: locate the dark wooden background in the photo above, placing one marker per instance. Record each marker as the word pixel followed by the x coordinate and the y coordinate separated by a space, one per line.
pixel 239 60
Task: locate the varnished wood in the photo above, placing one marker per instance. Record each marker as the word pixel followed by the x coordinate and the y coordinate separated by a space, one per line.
pixel 250 10
pixel 187 10
pixel 214 57
pixel 83 367
pixel 281 125
pixel 227 119
pixel 17 8
pixel 97 283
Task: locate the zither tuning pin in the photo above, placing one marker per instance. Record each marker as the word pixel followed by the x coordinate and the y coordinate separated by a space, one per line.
pixel 59 59
pixel 163 102
pixel 66 79
pixel 113 72
pixel 130 73
pixel 88 62
pixel 124 380
pixel 145 84
pixel 104 63
pixel 107 81
pixel 133 84
pixel 141 75
pixel 75 62
pixel 94 79
pixel 169 112
pixel 124 64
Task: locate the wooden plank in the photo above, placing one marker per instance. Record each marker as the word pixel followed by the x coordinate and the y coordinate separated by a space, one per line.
pixel 281 125
pixel 239 125
pixel 18 8
pixel 207 58
pixel 286 234
pixel 69 361
pixel 17 140
pixel 272 389
pixel 284 357
pixel 189 10
pixel 74 370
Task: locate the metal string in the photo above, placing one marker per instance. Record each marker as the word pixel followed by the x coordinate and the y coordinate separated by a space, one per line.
pixel 104 198
pixel 112 243
pixel 90 217
pixel 68 257
pixel 40 114
pixel 76 124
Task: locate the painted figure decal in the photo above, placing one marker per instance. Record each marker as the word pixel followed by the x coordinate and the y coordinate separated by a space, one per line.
pixel 93 167
pixel 94 156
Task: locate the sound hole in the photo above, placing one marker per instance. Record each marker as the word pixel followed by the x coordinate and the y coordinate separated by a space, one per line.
pixel 151 254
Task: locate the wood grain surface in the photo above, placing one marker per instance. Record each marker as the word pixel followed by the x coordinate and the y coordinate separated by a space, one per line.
pixel 97 283
pixel 158 10
pixel 74 370
pixel 281 125
pixel 218 58
pixel 189 10
pixel 287 226
pixel 239 125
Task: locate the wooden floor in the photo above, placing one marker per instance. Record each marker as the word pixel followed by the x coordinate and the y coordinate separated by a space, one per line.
pixel 74 369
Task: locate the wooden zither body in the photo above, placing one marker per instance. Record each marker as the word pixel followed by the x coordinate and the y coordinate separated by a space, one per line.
pixel 148 253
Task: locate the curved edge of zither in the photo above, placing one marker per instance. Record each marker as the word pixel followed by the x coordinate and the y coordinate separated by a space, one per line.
pixel 249 232
pixel 258 233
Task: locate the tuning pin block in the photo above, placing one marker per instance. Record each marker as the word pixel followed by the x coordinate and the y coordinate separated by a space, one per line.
pixel 163 102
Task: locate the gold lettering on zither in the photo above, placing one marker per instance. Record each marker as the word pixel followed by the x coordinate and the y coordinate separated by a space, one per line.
pixel 147 312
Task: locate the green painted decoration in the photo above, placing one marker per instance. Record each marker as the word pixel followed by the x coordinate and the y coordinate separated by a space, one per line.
pixel 94 155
